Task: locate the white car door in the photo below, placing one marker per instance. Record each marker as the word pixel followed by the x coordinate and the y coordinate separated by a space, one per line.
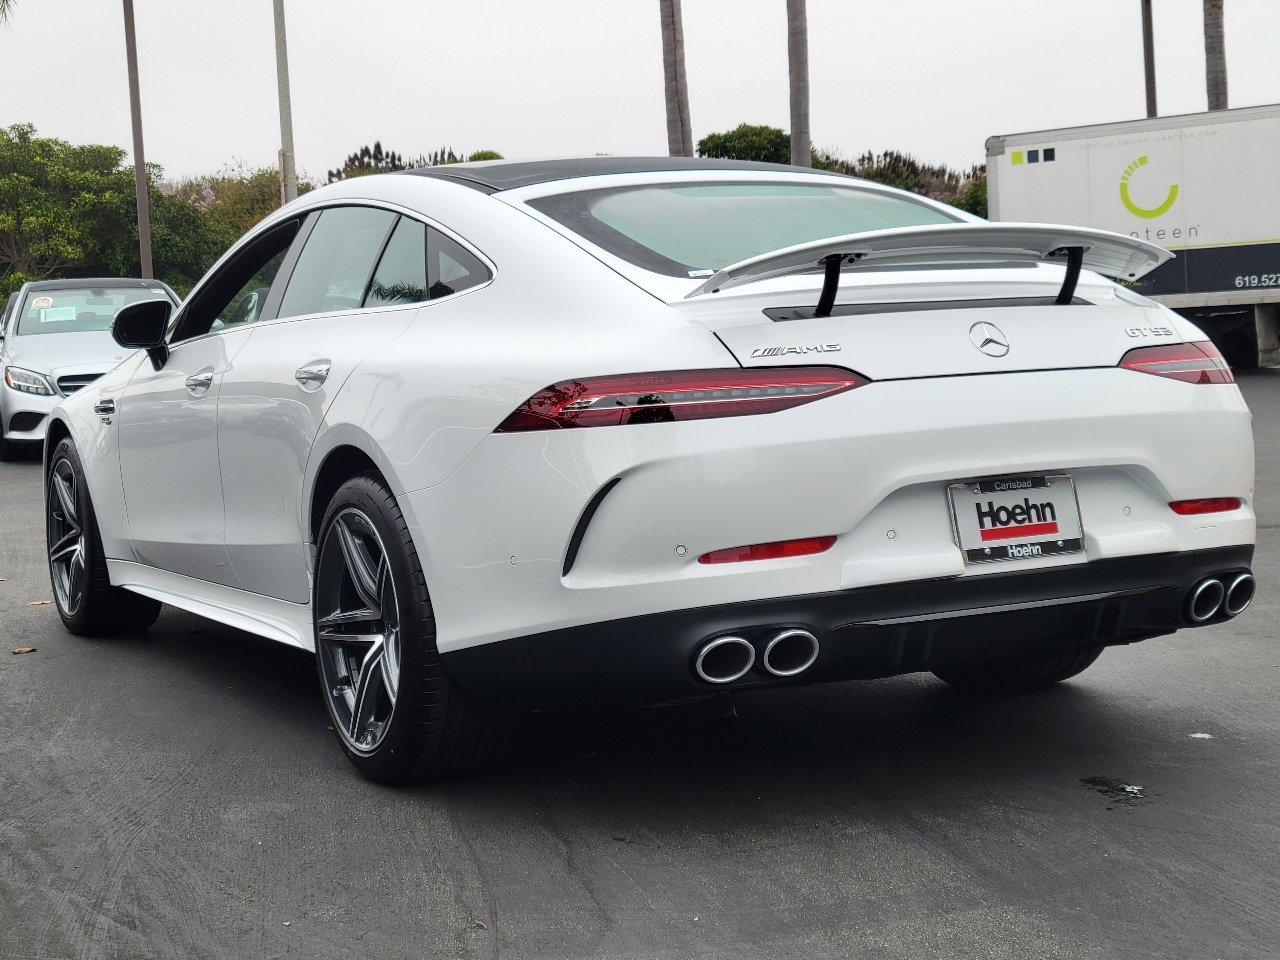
pixel 168 419
pixel 357 285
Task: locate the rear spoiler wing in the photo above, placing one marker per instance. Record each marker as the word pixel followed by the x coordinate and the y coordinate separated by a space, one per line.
pixel 977 244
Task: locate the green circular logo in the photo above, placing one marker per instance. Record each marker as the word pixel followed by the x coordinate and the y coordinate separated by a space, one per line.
pixel 1149 213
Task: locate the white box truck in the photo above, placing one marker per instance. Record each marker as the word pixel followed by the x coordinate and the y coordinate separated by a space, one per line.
pixel 1204 185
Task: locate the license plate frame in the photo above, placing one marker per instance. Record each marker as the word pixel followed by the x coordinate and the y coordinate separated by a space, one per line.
pixel 1024 517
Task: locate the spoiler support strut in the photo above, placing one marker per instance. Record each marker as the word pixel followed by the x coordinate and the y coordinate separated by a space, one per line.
pixel 831 265
pixel 1075 260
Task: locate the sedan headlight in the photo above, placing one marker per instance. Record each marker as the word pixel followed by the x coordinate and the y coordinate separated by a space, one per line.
pixel 27 381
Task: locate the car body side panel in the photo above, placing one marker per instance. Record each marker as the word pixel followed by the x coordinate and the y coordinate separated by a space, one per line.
pixel 97 442
pixel 169 459
pixel 267 423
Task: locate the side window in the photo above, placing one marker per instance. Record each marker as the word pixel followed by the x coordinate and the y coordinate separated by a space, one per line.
pixel 334 267
pixel 237 292
pixel 450 267
pixel 401 276
pixel 246 304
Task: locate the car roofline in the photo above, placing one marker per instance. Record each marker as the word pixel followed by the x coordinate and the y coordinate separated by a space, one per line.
pixel 494 176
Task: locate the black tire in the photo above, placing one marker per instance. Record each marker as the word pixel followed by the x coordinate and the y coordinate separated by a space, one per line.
pixel 430 728
pixel 87 602
pixel 1024 673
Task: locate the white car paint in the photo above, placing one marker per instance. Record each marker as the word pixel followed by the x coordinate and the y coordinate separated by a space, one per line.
pixel 206 502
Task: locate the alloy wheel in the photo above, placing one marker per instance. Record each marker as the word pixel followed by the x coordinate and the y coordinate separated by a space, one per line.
pixel 68 547
pixel 357 630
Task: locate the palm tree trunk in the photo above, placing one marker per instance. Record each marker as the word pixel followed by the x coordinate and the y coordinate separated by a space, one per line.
pixel 1149 57
pixel 798 66
pixel 679 128
pixel 1215 55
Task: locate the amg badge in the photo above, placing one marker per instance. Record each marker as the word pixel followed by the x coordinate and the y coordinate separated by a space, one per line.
pixel 784 351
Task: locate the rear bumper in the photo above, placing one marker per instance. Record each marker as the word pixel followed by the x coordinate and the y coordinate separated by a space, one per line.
pixel 864 633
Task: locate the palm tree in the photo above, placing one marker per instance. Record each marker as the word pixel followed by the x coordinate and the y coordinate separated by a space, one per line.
pixel 798 66
pixel 5 7
pixel 1215 55
pixel 679 129
pixel 1149 57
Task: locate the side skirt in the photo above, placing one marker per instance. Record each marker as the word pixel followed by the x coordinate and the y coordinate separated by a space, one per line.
pixel 266 616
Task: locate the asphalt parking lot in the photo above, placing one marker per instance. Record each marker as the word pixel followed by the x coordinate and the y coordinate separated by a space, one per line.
pixel 176 794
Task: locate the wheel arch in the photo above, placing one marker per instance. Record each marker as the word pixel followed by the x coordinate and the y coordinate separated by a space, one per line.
pixel 55 433
pixel 348 453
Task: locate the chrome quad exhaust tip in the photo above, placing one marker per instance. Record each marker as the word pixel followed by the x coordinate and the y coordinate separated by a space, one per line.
pixel 1239 594
pixel 724 660
pixel 1205 600
pixel 790 653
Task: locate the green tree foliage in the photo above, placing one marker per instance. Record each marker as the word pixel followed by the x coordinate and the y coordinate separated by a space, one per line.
pixel 375 160
pixel 368 160
pixel 748 142
pixel 968 191
pixel 235 198
pixel 973 194
pixel 70 211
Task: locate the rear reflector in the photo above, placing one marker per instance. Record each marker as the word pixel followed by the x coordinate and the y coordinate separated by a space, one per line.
pixel 1190 362
pixel 770 551
pixel 676 395
pixel 1189 508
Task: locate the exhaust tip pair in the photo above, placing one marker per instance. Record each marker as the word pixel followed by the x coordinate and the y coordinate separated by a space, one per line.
pixel 786 654
pixel 1212 596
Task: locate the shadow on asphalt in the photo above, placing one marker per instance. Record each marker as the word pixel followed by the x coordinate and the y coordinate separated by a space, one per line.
pixel 903 733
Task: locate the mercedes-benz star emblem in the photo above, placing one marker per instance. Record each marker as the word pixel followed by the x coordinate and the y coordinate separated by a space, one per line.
pixel 989 338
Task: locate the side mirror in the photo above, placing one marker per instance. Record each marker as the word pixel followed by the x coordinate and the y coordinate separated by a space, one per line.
pixel 142 326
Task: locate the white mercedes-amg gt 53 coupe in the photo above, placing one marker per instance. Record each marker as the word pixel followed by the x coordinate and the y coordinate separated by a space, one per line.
pixel 497 436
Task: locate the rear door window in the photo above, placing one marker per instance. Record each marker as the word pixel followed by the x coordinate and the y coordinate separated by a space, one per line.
pixel 401 276
pixel 335 267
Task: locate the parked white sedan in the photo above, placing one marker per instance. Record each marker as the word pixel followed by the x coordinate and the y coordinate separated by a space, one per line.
pixel 494 436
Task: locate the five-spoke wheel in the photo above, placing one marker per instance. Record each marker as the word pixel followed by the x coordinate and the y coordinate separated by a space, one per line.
pixel 67 542
pixel 82 590
pixel 357 630
pixel 397 713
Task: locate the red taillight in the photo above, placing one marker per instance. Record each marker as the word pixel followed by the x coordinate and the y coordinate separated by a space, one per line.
pixel 770 551
pixel 1190 362
pixel 676 395
pixel 1189 508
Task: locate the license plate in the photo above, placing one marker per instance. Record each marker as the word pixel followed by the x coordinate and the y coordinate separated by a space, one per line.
pixel 1016 518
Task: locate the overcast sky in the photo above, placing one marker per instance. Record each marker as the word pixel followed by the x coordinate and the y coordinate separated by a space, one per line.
pixel 533 78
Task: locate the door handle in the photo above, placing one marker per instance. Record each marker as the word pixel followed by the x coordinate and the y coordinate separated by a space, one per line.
pixel 199 382
pixel 311 376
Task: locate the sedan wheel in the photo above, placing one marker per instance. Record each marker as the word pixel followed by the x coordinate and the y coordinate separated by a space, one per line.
pixel 357 630
pixel 82 590
pixel 67 540
pixel 398 715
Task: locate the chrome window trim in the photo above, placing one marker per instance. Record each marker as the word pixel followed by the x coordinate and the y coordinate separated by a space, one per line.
pixel 403 211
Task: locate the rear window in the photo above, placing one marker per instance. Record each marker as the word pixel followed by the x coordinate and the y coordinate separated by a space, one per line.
pixel 692 230
pixel 79 309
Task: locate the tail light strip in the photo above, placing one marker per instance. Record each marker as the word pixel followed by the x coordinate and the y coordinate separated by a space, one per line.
pixel 676 395
pixel 1189 362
